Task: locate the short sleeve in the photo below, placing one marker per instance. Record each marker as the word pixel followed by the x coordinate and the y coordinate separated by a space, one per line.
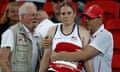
pixel 102 42
pixel 7 39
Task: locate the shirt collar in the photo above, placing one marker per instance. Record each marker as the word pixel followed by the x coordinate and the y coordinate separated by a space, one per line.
pixel 26 29
pixel 98 31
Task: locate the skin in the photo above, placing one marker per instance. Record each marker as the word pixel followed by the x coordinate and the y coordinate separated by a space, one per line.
pixel 30 19
pixel 10 16
pixel 5 59
pixel 13 14
pixel 67 26
pixel 93 24
pixel 56 8
pixel 42 15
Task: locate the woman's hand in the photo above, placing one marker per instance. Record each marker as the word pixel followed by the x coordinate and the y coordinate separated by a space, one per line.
pixel 47 42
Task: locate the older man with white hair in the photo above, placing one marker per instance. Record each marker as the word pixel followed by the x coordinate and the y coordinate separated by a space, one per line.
pixel 38 3
pixel 20 49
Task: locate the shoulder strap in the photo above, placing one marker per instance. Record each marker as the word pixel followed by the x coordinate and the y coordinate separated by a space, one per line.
pixel 78 27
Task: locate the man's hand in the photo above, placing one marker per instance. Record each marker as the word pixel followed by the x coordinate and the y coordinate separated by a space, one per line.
pixel 63 55
pixel 57 56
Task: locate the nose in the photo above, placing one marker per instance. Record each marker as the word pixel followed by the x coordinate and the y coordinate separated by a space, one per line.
pixel 86 20
pixel 34 16
pixel 15 12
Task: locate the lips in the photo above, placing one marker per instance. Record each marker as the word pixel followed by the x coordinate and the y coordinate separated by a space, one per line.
pixel 34 21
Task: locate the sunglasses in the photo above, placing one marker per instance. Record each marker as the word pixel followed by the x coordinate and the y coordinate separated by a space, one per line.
pixel 63 13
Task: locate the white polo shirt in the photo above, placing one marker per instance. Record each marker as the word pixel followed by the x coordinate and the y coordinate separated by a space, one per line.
pixel 43 27
pixel 8 40
pixel 102 40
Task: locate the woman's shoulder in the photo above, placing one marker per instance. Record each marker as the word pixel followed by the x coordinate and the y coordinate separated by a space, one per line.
pixel 54 26
pixel 83 31
pixel 51 30
pixel 82 28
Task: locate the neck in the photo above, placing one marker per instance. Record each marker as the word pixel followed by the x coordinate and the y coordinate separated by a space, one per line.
pixel 31 30
pixel 29 27
pixel 13 22
pixel 95 29
pixel 67 28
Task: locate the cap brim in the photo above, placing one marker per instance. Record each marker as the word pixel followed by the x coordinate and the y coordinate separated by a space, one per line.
pixel 89 15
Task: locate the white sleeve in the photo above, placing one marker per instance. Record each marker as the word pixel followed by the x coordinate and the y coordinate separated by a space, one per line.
pixel 44 26
pixel 102 43
pixel 7 39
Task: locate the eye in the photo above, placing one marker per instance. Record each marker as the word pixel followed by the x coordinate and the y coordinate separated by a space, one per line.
pixel 63 13
pixel 69 13
pixel 13 11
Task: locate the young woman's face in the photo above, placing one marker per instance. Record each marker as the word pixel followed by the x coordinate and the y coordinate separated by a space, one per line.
pixel 57 4
pixel 13 13
pixel 67 15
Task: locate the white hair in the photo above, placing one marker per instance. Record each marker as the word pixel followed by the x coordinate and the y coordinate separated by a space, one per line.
pixel 23 8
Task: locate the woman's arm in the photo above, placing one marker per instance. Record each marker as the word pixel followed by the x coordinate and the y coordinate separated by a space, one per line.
pixel 45 60
pixel 85 36
pixel 47 45
pixel 88 66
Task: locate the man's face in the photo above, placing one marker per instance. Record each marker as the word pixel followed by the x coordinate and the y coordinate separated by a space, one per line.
pixel 41 15
pixel 30 18
pixel 57 4
pixel 91 23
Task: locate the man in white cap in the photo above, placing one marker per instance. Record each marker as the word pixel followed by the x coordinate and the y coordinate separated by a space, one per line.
pixel 100 48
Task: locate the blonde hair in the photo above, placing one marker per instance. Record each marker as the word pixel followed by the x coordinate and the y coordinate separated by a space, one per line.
pixel 5 18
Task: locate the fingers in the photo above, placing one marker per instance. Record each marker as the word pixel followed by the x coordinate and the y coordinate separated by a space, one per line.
pixel 53 56
pixel 47 42
pixel 46 37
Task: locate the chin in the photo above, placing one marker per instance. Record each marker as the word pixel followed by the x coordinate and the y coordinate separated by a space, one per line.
pixel 67 23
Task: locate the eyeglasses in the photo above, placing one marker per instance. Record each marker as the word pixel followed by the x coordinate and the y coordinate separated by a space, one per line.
pixel 31 15
pixel 63 13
